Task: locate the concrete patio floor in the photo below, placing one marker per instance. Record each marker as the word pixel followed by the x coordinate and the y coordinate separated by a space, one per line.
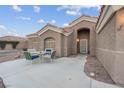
pixel 65 72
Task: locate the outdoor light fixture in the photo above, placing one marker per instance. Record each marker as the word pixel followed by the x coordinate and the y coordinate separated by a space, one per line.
pixel 77 40
pixel 120 27
pixel 121 21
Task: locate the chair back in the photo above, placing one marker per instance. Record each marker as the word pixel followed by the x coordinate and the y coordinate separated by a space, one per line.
pixel 53 54
pixel 48 51
pixel 27 55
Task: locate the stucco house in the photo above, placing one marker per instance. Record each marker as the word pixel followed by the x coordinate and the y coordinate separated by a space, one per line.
pixel 78 37
pixel 101 36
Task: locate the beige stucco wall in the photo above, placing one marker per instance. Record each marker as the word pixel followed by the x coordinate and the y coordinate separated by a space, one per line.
pixel 84 24
pixel 66 49
pixel 69 42
pixel 105 45
pixel 110 47
pixel 22 45
pixel 70 45
pixel 34 42
pixel 58 41
pixel 119 62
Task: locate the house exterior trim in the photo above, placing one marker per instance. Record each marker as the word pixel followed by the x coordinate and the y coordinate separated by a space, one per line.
pixel 83 18
pixel 105 16
pixel 50 28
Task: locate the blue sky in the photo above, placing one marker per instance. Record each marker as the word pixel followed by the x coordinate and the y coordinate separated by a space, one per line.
pixel 27 19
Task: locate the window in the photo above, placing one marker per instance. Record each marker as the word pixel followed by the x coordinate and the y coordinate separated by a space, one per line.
pixel 49 43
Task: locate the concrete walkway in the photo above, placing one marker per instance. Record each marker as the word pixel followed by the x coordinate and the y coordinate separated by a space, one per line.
pixel 66 72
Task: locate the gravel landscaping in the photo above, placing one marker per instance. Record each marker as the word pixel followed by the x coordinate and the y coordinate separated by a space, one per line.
pixel 94 66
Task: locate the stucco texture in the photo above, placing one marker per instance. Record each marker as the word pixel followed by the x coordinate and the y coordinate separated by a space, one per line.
pixel 110 46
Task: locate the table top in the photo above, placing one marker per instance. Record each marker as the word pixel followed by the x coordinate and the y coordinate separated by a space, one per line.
pixel 38 52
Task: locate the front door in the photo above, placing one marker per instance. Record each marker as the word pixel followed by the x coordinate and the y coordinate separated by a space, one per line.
pixel 83 46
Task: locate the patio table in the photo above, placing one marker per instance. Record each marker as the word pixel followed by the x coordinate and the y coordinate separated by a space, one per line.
pixel 36 52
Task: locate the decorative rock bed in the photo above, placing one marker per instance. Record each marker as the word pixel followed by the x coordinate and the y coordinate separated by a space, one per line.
pixel 1 83
pixel 94 69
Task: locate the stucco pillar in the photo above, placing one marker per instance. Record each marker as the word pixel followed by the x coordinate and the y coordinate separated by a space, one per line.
pixel 92 41
pixel 75 42
pixel 41 44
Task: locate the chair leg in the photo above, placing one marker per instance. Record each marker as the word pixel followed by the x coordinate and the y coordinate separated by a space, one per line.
pixel 39 60
pixel 28 61
pixel 51 60
pixel 31 61
pixel 42 60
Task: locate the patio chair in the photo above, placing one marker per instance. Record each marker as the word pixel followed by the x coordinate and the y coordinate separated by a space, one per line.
pixel 30 57
pixel 50 57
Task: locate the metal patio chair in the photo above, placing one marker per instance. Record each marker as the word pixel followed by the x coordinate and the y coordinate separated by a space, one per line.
pixel 30 57
pixel 49 57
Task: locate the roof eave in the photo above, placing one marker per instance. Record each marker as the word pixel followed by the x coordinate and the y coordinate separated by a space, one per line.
pixel 106 13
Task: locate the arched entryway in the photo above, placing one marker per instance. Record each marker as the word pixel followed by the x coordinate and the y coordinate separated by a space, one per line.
pixel 49 43
pixel 83 39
